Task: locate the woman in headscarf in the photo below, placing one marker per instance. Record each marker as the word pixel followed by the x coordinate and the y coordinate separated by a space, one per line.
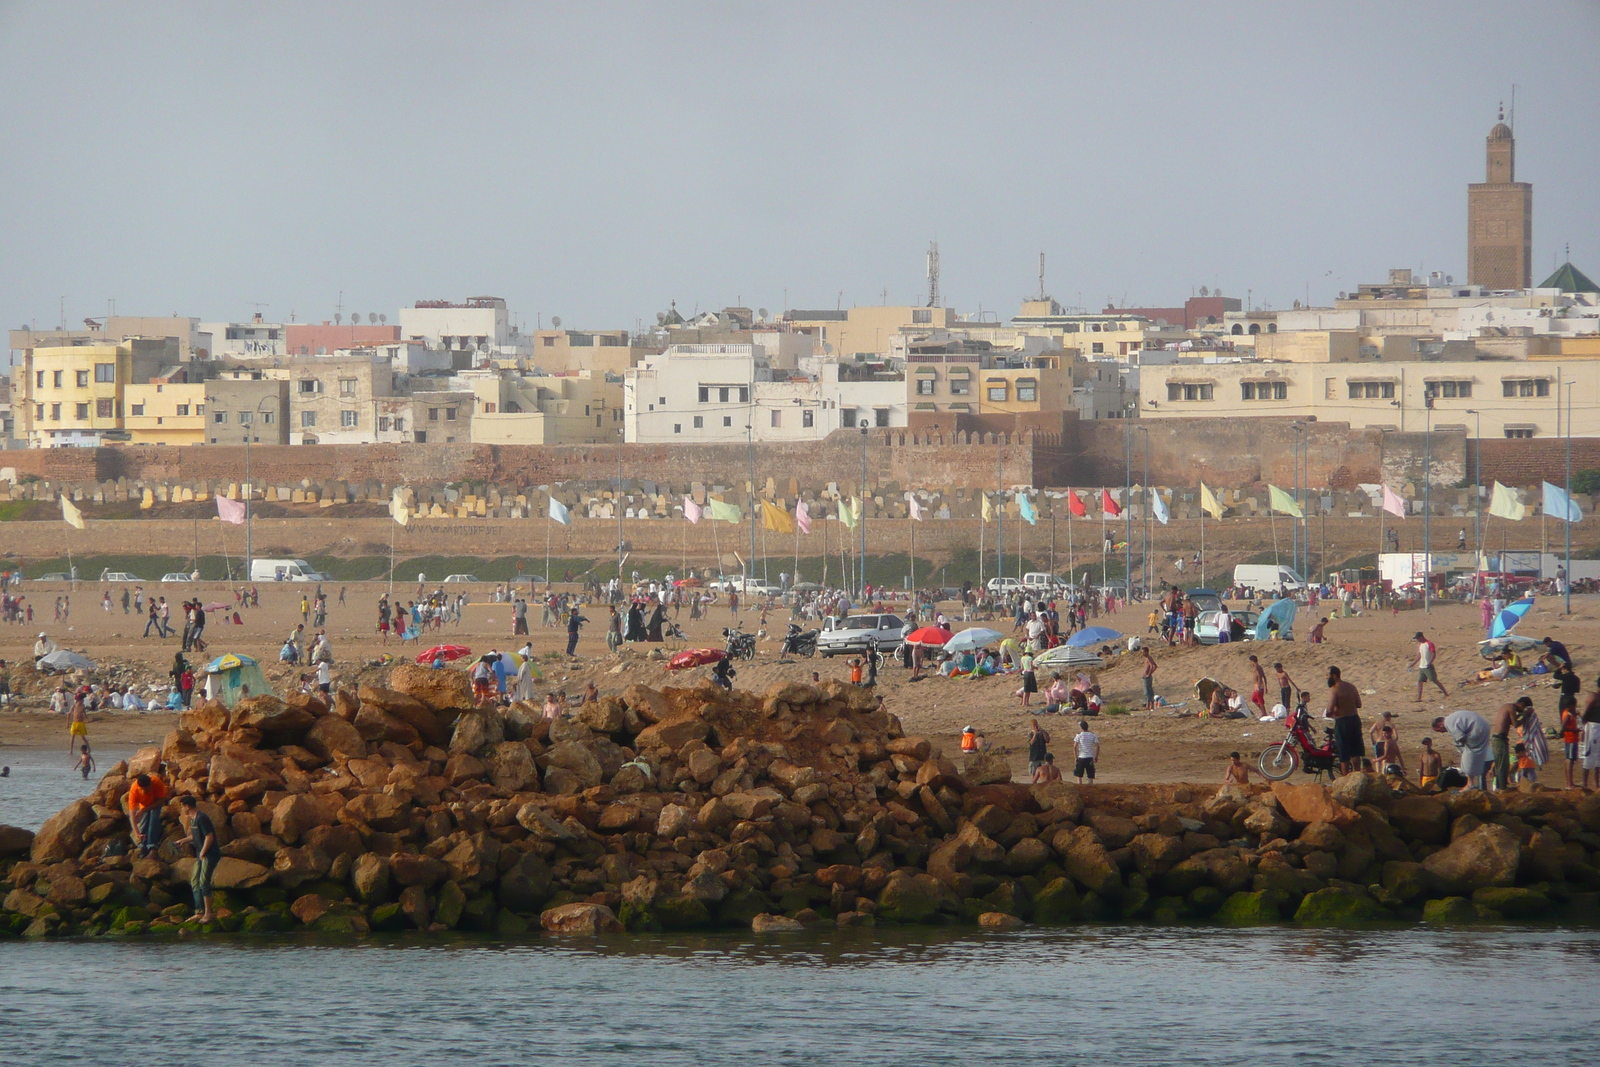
pixel 635 631
pixel 527 674
pixel 658 618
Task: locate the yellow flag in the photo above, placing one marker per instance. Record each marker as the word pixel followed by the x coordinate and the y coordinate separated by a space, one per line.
pixel 988 512
pixel 723 512
pixel 847 514
pixel 397 508
pixel 1283 503
pixel 1209 503
pixel 776 519
pixel 70 512
pixel 1504 503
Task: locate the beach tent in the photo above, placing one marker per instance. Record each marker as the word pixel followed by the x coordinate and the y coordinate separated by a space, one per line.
pixel 232 677
pixel 1282 611
pixel 66 660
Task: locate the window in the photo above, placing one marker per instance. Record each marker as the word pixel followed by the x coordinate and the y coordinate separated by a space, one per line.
pixel 105 372
pixel 847 417
pixel 1525 387
pixel 103 409
pixel 1027 389
pixel 998 392
pixel 347 387
pixel 1264 390
pixel 349 419
pixel 677 427
pixel 1450 389
pixel 1519 431
pixel 1189 390
pixel 82 377
pixel 925 386
pixel 55 412
pixel 1371 390
pixel 136 410
pixel 433 414
pixel 82 411
pixel 727 420
pixel 549 342
pixel 722 395
pixel 266 417
pixel 1097 348
pixel 449 414
pixel 38 379
pixel 777 417
pixel 399 424
pixel 55 379
pixel 880 416
pixel 597 421
pixel 308 418
pixel 383 424
pixel 960 386
pixel 1330 388
pixel 183 409
pixel 705 394
pixel 244 417
pixel 808 418
pixel 309 385
pixel 744 394
pixel 220 417
pixel 922 315
pixel 699 422
pixel 422 437
pixel 662 401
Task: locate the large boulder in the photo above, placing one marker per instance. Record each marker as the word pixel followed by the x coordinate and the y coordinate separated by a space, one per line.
pixel 1424 819
pixel 408 709
pixel 278 722
pixel 477 731
pixel 414 869
pixel 232 873
pixel 575 757
pixel 1336 905
pixel 211 715
pixel 1087 862
pixel 647 703
pixel 673 732
pixel 526 885
pixel 446 689
pixel 987 768
pixel 604 716
pixel 1486 856
pixel 227 771
pixel 376 725
pixel 331 738
pixel 15 841
pixel 587 920
pixel 1156 854
pixel 61 836
pixel 1313 803
pixel 369 877
pixel 296 814
pixel 511 767
pixel 912 898
pixel 376 811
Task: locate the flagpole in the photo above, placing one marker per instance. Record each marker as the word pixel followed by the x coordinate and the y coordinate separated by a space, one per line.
pixel 1202 544
pixel 392 525
pixel 1071 557
pixel 911 522
pixel 983 529
pixel 824 521
pixel 547 522
pixel 1272 520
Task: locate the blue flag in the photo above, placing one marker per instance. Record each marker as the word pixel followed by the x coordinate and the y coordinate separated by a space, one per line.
pixel 1558 505
pixel 1025 509
pixel 558 511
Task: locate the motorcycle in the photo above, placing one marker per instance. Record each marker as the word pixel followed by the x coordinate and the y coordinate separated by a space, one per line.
pixel 800 642
pixel 740 645
pixel 1296 750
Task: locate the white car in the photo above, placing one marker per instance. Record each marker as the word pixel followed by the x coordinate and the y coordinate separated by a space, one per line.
pixel 120 576
pixel 461 578
pixel 1004 586
pixel 176 576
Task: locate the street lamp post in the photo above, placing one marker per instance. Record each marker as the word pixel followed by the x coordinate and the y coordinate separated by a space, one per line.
pixel 861 515
pixel 249 487
pixel 1566 582
pixel 1144 504
pixel 1477 500
pixel 1127 511
pixel 1427 506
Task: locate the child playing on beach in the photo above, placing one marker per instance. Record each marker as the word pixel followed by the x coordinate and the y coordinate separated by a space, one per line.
pixel 85 764
pixel 855 672
pixel 1527 769
pixel 1428 764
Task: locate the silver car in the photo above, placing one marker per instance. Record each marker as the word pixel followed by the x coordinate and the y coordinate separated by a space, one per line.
pixel 860 633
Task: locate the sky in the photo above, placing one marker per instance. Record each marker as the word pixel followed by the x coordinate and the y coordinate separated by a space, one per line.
pixel 600 161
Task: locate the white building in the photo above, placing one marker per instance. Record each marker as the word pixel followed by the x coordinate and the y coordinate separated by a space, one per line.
pixel 246 340
pixel 729 392
pixel 404 357
pixel 478 324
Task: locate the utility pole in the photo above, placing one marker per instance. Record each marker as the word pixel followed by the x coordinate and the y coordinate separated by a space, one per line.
pixel 1566 582
pixel 861 514
pixel 1127 510
pixel 750 448
pixel 1427 507
pixel 1477 499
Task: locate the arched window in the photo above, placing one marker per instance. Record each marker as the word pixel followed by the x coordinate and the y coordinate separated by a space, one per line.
pixel 1272 327
pixel 1255 327
pixel 1237 328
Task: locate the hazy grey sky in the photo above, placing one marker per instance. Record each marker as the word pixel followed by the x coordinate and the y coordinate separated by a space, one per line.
pixel 596 161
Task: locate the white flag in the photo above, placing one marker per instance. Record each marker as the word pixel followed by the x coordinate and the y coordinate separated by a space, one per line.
pixel 70 512
pixel 558 511
pixel 1158 507
pixel 916 509
pixel 802 516
pixel 397 507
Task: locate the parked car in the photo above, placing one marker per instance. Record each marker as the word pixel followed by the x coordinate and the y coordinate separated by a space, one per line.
pixel 53 576
pixel 176 576
pixel 1244 626
pixel 119 576
pixel 1004 586
pixel 461 578
pixel 860 633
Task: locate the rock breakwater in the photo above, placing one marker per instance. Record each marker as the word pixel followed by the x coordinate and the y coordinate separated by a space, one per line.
pixel 403 807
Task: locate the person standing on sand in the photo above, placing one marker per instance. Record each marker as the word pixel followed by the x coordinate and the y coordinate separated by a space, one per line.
pixel 1500 745
pixel 1427 652
pixel 1258 679
pixel 1147 676
pixel 1285 687
pixel 1344 708
pixel 1087 746
pixel 574 624
pixel 1428 764
pixel 1038 746
pixel 1571 733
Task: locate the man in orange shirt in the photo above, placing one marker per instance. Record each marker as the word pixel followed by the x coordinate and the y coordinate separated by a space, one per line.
pixel 145 799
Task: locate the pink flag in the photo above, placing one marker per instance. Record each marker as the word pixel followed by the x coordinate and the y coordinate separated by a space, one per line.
pixel 802 516
pixel 1392 503
pixel 916 509
pixel 691 510
pixel 230 510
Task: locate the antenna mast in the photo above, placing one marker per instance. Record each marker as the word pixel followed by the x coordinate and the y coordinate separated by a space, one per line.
pixel 1041 276
pixel 933 274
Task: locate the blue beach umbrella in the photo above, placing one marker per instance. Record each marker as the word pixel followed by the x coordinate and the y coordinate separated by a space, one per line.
pixel 1094 635
pixel 970 640
pixel 1281 610
pixel 1509 616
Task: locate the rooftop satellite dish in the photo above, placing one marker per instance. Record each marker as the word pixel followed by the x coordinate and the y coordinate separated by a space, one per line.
pixel 383 318
pixel 555 321
pixel 661 316
pixel 1204 291
pixel 762 312
pixel 372 317
pixel 337 318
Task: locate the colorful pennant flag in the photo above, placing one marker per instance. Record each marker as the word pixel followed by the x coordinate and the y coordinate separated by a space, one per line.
pixel 1283 503
pixel 691 510
pixel 1108 505
pixel 988 512
pixel 1158 507
pixel 1025 509
pixel 1393 504
pixel 776 519
pixel 802 516
pixel 397 506
pixel 722 512
pixel 847 514
pixel 558 511
pixel 1076 505
pixel 916 508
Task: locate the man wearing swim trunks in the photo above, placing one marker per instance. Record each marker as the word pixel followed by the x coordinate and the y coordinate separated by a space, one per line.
pixel 1344 708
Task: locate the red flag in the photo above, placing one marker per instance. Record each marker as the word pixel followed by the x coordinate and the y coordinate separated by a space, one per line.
pixel 1108 505
pixel 1075 505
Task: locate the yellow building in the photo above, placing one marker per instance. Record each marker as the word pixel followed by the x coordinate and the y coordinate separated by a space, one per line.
pixel 72 395
pixel 1044 386
pixel 165 413
pixel 867 330
pixel 568 410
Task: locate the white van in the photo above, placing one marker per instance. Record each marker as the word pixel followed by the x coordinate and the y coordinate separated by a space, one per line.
pixel 1041 582
pixel 285 570
pixel 1268 577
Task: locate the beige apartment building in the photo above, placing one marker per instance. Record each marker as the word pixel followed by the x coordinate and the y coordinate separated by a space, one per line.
pixel 972 384
pixel 73 395
pixel 333 401
pixel 441 417
pixel 190 341
pixel 597 351
pixel 247 405
pixel 165 413
pixel 870 330
pixel 571 409
pixel 1507 398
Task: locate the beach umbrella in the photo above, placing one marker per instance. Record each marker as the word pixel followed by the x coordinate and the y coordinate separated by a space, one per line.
pixel 449 652
pixel 1094 635
pixel 229 661
pixel 806 587
pixel 972 639
pixel 1509 616
pixel 931 635
pixel 1281 610
pixel 219 606
pixel 1066 656
pixel 64 660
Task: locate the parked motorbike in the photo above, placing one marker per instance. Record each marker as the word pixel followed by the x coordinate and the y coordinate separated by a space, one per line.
pixel 800 642
pixel 1297 751
pixel 740 645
